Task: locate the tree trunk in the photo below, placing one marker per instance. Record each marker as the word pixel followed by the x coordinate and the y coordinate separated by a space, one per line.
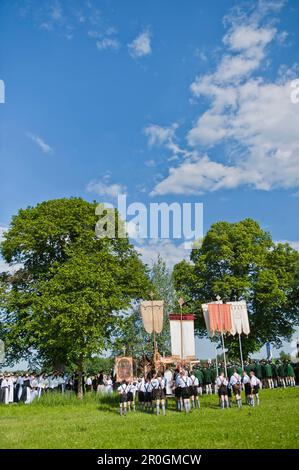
pixel 80 381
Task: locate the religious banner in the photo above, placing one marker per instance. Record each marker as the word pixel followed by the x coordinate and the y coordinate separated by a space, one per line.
pixel 152 315
pixel 206 318
pixel 231 317
pixel 124 368
pixel 239 317
pixel 220 317
pixel 182 335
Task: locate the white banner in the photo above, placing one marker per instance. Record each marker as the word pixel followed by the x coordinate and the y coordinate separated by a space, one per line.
pixel 186 339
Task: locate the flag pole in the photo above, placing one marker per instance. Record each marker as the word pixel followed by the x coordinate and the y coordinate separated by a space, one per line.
pixel 241 354
pixel 154 332
pixel 181 303
pixel 222 338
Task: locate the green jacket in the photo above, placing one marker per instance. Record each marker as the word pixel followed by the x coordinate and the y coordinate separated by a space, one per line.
pixel 207 376
pixel 258 371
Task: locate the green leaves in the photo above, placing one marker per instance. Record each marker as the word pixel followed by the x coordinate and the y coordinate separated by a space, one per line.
pixel 240 260
pixel 64 301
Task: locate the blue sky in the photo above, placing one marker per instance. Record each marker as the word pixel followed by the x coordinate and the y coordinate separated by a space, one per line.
pixel 167 101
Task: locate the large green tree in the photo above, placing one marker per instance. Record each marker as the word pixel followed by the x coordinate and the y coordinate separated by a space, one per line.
pixel 62 300
pixel 240 261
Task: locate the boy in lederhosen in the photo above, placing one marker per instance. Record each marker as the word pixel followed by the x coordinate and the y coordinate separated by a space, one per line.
pixel 247 386
pixel 178 391
pixel 148 394
pixel 185 383
pixel 158 393
pixel 140 391
pixel 194 391
pixel 235 382
pixel 222 384
pixel 122 390
pixel 255 386
pixel 131 389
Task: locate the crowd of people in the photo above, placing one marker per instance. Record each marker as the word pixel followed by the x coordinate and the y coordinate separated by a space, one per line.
pixel 150 392
pixel 18 387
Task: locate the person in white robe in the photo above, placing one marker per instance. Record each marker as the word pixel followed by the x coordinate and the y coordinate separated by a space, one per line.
pixel 10 384
pixel 4 390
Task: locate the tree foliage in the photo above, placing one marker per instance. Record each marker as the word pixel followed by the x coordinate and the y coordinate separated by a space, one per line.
pixel 240 261
pixel 62 300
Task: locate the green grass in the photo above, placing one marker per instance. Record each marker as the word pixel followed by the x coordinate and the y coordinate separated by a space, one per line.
pixel 65 422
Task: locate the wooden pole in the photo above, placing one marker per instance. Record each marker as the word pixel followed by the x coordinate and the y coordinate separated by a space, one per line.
pixel 241 354
pixel 154 332
pixel 181 303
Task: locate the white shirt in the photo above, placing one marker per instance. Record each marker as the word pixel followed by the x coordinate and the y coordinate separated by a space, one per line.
pixel 235 379
pixel 254 381
pixel 246 379
pixel 221 380
pixel 185 381
pixel 194 380
pixel 131 388
pixel 156 383
pixel 123 388
pixel 88 381
pixel 148 387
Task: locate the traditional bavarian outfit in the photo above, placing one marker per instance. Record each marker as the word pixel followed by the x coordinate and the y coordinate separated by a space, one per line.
pixel 185 383
pixel 255 386
pixel 131 390
pixel 235 382
pixel 123 398
pixel 222 384
pixel 178 393
pixel 140 392
pixel 247 387
pixel 194 391
pixel 148 394
pixel 159 393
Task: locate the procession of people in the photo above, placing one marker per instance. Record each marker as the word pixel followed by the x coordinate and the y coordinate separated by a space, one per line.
pixel 151 392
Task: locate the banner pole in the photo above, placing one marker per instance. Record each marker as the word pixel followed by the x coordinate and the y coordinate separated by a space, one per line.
pixel 154 332
pixel 216 360
pixel 241 354
pixel 181 303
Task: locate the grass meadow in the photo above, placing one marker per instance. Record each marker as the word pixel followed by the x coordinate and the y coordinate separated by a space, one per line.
pixel 60 422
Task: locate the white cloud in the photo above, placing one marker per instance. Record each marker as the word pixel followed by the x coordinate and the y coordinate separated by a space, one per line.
pixel 253 116
pixel 199 176
pixel 107 43
pixel 102 189
pixel 141 45
pixel 170 252
pixel 159 135
pixel 40 143
pixel 150 163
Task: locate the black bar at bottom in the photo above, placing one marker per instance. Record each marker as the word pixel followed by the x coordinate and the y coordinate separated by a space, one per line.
pixel 126 458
